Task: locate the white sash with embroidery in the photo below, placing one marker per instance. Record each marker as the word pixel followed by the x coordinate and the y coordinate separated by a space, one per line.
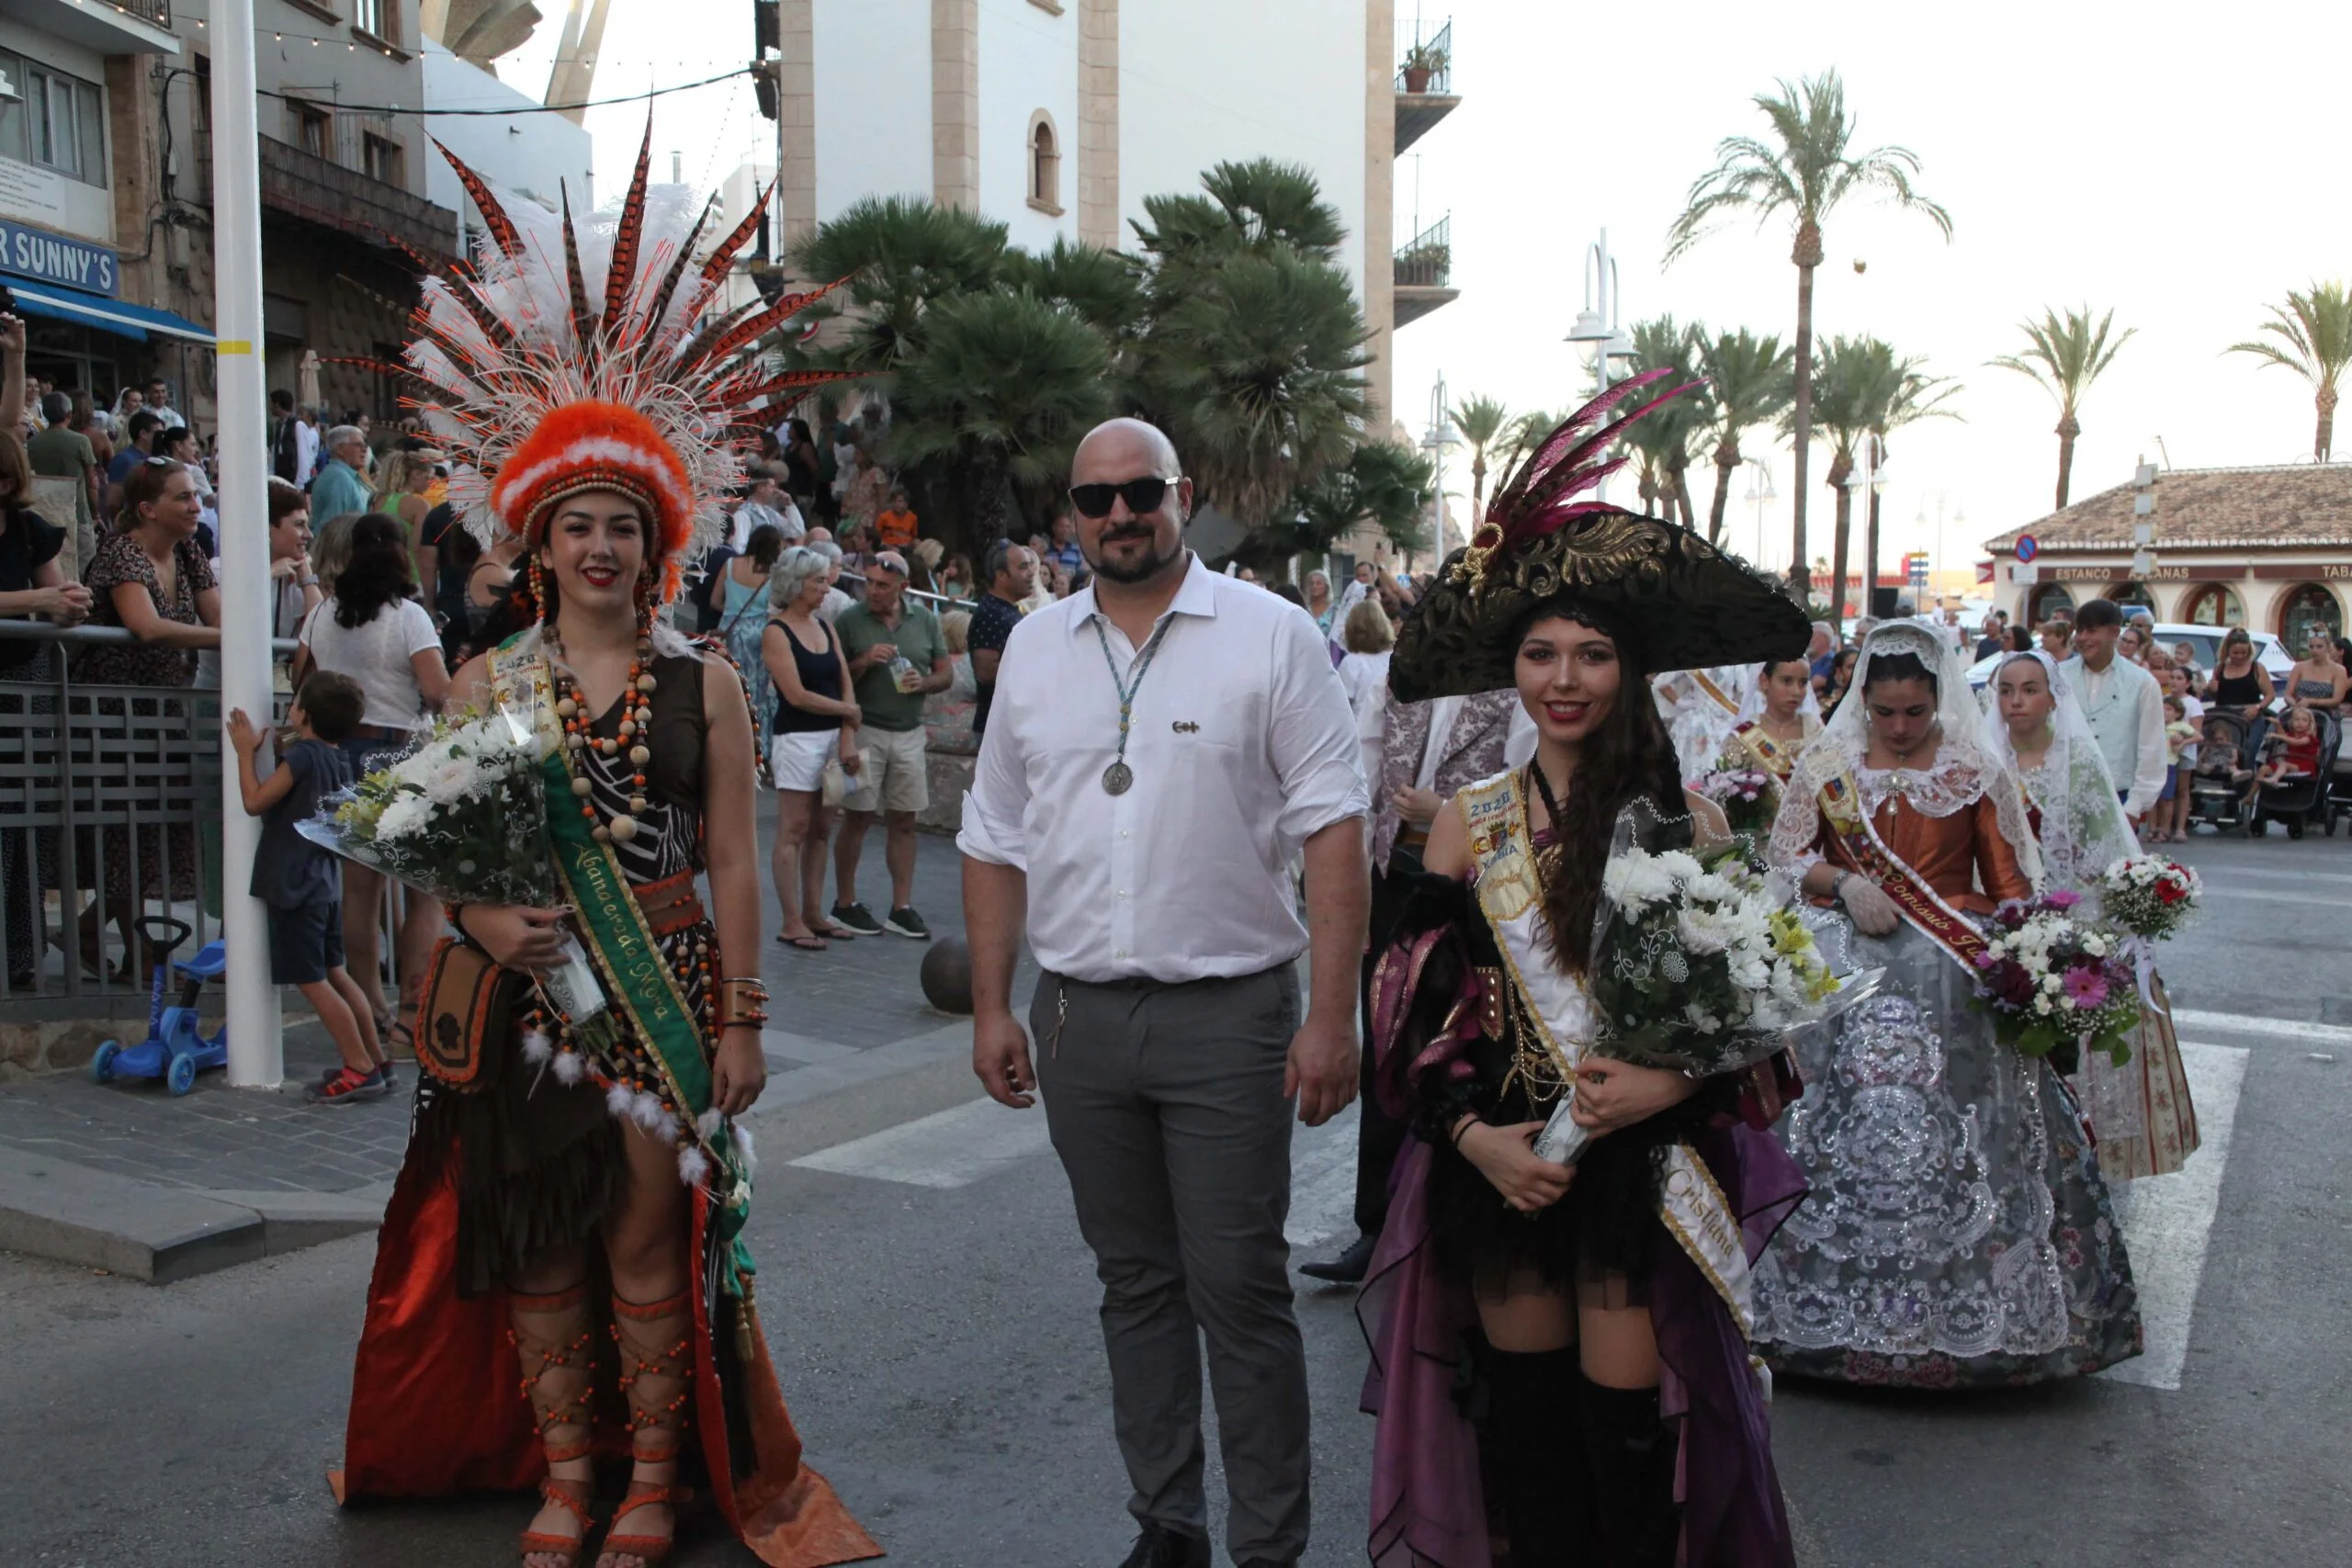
pixel 1691 1206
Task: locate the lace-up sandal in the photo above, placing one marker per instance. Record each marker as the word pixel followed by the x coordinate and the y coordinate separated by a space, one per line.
pixel 657 1349
pixel 556 1344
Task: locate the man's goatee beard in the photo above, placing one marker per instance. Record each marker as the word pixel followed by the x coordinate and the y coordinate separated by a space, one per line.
pixel 1144 570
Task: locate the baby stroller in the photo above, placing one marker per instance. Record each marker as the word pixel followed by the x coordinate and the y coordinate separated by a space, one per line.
pixel 2221 789
pixel 2303 802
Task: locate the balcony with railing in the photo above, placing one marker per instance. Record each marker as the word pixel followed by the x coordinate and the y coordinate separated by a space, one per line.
pixel 354 191
pixel 1425 272
pixel 1425 92
pixel 108 27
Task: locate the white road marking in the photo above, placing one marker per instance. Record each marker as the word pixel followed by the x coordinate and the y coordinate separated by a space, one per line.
pixel 2223 872
pixel 2253 1023
pixel 2167 1220
pixel 951 1148
pixel 2266 895
pixel 1323 1181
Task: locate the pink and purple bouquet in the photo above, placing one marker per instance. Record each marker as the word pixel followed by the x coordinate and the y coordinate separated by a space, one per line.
pixel 1745 795
pixel 2057 983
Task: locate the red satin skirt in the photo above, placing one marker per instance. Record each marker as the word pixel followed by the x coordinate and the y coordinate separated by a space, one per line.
pixel 438 1407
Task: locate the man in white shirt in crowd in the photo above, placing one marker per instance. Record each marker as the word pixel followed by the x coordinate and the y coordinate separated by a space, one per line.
pixel 1162 746
pixel 2125 708
pixel 765 504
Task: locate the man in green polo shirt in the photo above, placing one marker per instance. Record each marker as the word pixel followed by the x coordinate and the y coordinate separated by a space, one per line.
pixel 898 656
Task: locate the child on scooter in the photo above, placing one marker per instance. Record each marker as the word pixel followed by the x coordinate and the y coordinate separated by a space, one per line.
pixel 301 882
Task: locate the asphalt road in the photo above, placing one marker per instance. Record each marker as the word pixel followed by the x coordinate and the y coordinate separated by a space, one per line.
pixel 939 1348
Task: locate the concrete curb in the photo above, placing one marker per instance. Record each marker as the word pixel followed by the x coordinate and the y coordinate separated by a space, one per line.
pixel 55 1209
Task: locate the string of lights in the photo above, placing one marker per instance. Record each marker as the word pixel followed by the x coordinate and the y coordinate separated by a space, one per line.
pixel 650 92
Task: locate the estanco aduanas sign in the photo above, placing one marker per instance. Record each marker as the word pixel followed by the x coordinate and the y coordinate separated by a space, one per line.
pixel 29 251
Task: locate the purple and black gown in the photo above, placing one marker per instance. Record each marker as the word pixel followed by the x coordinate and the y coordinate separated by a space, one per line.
pixel 1449 1005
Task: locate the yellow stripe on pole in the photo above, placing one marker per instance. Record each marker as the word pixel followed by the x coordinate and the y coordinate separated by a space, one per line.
pixel 234 345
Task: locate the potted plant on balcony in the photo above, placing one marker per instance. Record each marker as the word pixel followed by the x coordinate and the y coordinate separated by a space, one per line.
pixel 1424 265
pixel 1422 61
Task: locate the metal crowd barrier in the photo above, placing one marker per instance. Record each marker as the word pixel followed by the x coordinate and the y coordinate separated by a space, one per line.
pixel 95 778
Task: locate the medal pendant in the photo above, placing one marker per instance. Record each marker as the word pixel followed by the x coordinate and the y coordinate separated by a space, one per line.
pixel 1118 778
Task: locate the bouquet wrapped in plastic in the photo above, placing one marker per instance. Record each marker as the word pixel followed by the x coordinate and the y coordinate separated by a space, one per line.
pixel 2149 896
pixel 462 814
pixel 1703 963
pixel 2057 983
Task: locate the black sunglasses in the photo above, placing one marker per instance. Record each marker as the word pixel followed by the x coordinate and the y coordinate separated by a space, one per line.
pixel 1141 495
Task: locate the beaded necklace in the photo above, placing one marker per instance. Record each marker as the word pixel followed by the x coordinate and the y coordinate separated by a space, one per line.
pixel 635 730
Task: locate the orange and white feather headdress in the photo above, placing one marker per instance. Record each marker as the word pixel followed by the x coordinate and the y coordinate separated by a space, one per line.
pixel 587 355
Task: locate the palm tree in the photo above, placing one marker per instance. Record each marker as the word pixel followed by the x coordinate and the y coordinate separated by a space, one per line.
pixel 1807 169
pixel 1003 388
pixel 1667 436
pixel 1481 422
pixel 902 254
pixel 2063 357
pixel 1855 380
pixel 2317 330
pixel 1916 396
pixel 1750 378
pixel 1382 484
pixel 1520 437
pixel 1252 356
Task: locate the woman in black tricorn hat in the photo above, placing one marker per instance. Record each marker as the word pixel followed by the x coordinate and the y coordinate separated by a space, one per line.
pixel 1560 1355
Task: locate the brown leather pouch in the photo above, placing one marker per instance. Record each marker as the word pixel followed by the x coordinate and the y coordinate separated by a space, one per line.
pixel 467 1014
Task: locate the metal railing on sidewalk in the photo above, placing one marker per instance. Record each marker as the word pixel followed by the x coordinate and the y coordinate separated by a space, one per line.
pixel 99 782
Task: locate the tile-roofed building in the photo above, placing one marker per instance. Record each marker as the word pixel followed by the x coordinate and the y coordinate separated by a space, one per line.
pixel 2269 547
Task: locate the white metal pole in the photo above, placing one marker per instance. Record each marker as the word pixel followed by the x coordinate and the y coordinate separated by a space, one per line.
pixel 257 1046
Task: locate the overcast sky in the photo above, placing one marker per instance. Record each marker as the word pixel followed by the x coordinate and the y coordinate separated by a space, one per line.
pixel 2180 165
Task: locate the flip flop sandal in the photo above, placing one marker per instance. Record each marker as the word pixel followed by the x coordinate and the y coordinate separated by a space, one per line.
pixel 832 932
pixel 803 943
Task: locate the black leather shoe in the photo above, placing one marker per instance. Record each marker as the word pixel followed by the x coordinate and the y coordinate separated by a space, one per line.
pixel 1348 1268
pixel 1161 1547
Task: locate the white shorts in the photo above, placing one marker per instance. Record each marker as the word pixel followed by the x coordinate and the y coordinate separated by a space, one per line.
pixel 797 758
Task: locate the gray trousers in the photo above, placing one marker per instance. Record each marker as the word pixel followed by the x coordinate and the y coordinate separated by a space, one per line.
pixel 1166 1105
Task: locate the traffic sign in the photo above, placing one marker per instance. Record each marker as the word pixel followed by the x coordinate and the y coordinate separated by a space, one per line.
pixel 2027 547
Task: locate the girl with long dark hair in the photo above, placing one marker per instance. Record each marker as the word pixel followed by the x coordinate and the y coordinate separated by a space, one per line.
pixel 370 629
pixel 1559 1350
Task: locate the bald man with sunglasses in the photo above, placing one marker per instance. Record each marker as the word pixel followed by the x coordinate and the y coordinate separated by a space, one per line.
pixel 1164 745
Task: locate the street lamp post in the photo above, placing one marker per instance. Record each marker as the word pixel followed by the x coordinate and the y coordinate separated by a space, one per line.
pixel 257 1055
pixel 1601 343
pixel 1439 440
pixel 1759 490
pixel 1867 483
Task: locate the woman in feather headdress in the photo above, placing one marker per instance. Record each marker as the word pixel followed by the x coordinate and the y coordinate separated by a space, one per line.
pixel 585 1189
pixel 1559 1352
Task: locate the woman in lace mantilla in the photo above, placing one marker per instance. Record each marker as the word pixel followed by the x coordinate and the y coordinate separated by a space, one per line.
pixel 2141 1112
pixel 1778 719
pixel 1959 1232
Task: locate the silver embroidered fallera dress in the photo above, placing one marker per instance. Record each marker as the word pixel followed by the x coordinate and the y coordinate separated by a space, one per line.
pixel 1958 1232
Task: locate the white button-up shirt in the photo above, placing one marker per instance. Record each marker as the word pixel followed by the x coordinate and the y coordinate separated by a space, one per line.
pixel 1242 747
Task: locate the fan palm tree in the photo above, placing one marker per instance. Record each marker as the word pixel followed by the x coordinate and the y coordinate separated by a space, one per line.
pixel 1806 168
pixel 2063 356
pixel 1483 422
pixel 1252 354
pixel 1915 396
pixel 2317 330
pixel 902 254
pixel 1750 378
pixel 1001 391
pixel 1381 483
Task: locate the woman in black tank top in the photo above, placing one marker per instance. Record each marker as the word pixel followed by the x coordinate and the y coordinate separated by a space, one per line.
pixel 2240 683
pixel 815 721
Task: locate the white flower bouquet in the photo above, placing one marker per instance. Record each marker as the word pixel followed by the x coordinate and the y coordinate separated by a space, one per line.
pixel 2149 896
pixel 1744 793
pixel 462 814
pixel 2055 983
pixel 1702 965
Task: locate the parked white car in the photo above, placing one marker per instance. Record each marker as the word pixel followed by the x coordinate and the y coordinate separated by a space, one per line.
pixel 2205 641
